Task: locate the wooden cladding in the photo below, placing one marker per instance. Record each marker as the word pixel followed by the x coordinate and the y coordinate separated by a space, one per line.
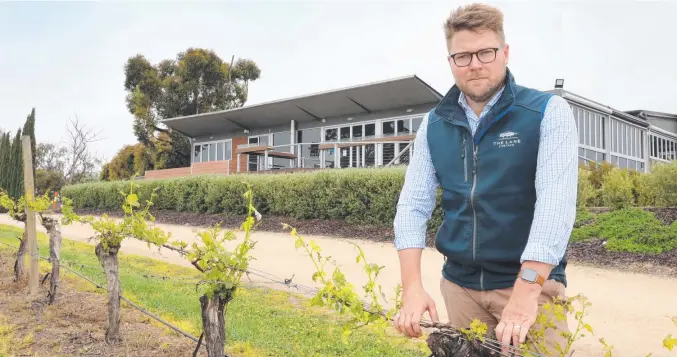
pixel 167 173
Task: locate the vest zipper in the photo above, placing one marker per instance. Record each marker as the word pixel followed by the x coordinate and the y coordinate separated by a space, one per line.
pixel 474 218
pixel 465 160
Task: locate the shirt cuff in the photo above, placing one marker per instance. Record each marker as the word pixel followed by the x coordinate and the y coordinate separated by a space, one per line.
pixel 537 254
pixel 410 242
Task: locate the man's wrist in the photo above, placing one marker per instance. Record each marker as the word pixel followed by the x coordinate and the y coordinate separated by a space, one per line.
pixel 533 285
pixel 524 288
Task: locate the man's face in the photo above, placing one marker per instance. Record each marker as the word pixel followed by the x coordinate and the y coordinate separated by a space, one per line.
pixel 479 81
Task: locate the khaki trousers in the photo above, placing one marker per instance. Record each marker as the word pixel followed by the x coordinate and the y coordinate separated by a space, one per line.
pixel 464 305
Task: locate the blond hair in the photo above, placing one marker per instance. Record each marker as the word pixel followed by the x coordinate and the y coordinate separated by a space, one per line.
pixel 475 17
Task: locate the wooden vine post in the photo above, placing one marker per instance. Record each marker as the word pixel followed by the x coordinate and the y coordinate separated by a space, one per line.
pixel 223 270
pixel 30 231
pixel 110 233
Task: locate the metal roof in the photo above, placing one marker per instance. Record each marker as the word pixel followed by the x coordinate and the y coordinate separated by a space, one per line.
pixel 646 114
pixel 366 98
pixel 598 106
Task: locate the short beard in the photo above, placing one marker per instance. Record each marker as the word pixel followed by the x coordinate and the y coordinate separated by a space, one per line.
pixel 486 96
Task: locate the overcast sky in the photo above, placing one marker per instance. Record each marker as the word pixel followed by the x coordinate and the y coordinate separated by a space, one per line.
pixel 67 59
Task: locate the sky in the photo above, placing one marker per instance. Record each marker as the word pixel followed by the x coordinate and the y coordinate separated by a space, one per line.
pixel 66 59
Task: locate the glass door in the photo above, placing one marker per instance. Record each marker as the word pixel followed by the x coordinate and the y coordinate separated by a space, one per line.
pixel 252 160
pixel 356 153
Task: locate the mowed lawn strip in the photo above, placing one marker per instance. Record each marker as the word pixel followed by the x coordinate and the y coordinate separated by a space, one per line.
pixel 260 322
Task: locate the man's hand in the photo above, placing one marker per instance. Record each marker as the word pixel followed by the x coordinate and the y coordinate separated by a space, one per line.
pixel 519 315
pixel 415 302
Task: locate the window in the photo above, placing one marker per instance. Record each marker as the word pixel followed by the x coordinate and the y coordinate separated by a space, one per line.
pixel 309 140
pixel 282 143
pixel 212 151
pixel 591 127
pixel 662 147
pixel 626 139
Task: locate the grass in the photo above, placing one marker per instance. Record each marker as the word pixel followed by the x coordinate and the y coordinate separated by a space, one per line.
pixel 631 230
pixel 260 322
pixel 8 342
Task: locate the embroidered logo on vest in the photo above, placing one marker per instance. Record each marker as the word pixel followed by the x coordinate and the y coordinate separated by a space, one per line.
pixel 507 139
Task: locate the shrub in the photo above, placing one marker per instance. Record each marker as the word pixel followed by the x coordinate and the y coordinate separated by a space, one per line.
pixel 663 184
pixel 631 230
pixel 355 195
pixel 586 191
pixel 617 189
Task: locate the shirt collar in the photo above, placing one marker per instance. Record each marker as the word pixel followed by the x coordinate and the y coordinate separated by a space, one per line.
pixel 464 103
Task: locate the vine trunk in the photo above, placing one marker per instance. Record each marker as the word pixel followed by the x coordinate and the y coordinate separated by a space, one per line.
pixel 109 261
pixel 19 266
pixel 54 230
pixel 454 344
pixel 214 322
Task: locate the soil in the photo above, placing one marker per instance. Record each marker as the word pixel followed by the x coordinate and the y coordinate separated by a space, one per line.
pixel 75 324
pixel 593 252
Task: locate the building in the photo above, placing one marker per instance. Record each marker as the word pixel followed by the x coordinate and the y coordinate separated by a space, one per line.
pixel 629 139
pixel 370 125
pixel 373 125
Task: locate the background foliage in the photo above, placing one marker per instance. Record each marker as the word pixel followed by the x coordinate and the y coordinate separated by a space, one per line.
pixel 358 195
pixel 196 81
pixel 11 158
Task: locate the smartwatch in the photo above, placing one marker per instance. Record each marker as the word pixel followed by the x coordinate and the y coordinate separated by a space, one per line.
pixel 531 276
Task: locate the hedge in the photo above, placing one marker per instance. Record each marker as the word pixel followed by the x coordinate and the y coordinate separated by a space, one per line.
pixel 355 195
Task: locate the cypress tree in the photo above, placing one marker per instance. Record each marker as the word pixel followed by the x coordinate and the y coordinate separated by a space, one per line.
pixel 16 174
pixel 5 149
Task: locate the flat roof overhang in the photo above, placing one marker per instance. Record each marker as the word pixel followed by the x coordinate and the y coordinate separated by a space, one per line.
pixel 598 106
pixel 646 114
pixel 362 99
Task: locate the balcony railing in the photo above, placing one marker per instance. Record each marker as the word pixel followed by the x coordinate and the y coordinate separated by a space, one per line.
pixel 374 151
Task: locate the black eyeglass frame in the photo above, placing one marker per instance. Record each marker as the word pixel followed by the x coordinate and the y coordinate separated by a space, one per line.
pixel 476 54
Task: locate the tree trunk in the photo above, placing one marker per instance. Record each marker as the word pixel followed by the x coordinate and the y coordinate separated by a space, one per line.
pixel 454 344
pixel 19 266
pixel 54 230
pixel 214 322
pixel 109 262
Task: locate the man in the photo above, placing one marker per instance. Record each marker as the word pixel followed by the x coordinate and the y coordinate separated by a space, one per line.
pixel 506 159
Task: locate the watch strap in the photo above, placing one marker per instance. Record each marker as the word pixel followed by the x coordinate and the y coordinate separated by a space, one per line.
pixel 540 280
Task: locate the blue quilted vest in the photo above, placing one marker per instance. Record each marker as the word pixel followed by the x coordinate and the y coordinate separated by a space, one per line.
pixel 488 186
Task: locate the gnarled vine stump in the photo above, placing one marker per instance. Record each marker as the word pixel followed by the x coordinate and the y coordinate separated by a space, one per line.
pixel 19 266
pixel 214 321
pixel 109 262
pixel 54 230
pixel 454 344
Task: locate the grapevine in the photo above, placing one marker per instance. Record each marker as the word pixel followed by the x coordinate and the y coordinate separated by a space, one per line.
pixel 222 270
pixel 17 211
pixel 110 233
pixel 339 294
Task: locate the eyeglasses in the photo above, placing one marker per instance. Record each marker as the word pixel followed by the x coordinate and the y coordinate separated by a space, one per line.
pixel 463 59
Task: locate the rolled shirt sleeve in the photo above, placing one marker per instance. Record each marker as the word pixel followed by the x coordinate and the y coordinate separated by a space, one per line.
pixel 417 198
pixel 556 185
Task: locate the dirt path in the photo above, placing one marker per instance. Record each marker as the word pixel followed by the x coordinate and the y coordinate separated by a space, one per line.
pixel 629 310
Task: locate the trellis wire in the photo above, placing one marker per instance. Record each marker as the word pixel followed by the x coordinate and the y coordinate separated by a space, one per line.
pixel 137 307
pixel 490 344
